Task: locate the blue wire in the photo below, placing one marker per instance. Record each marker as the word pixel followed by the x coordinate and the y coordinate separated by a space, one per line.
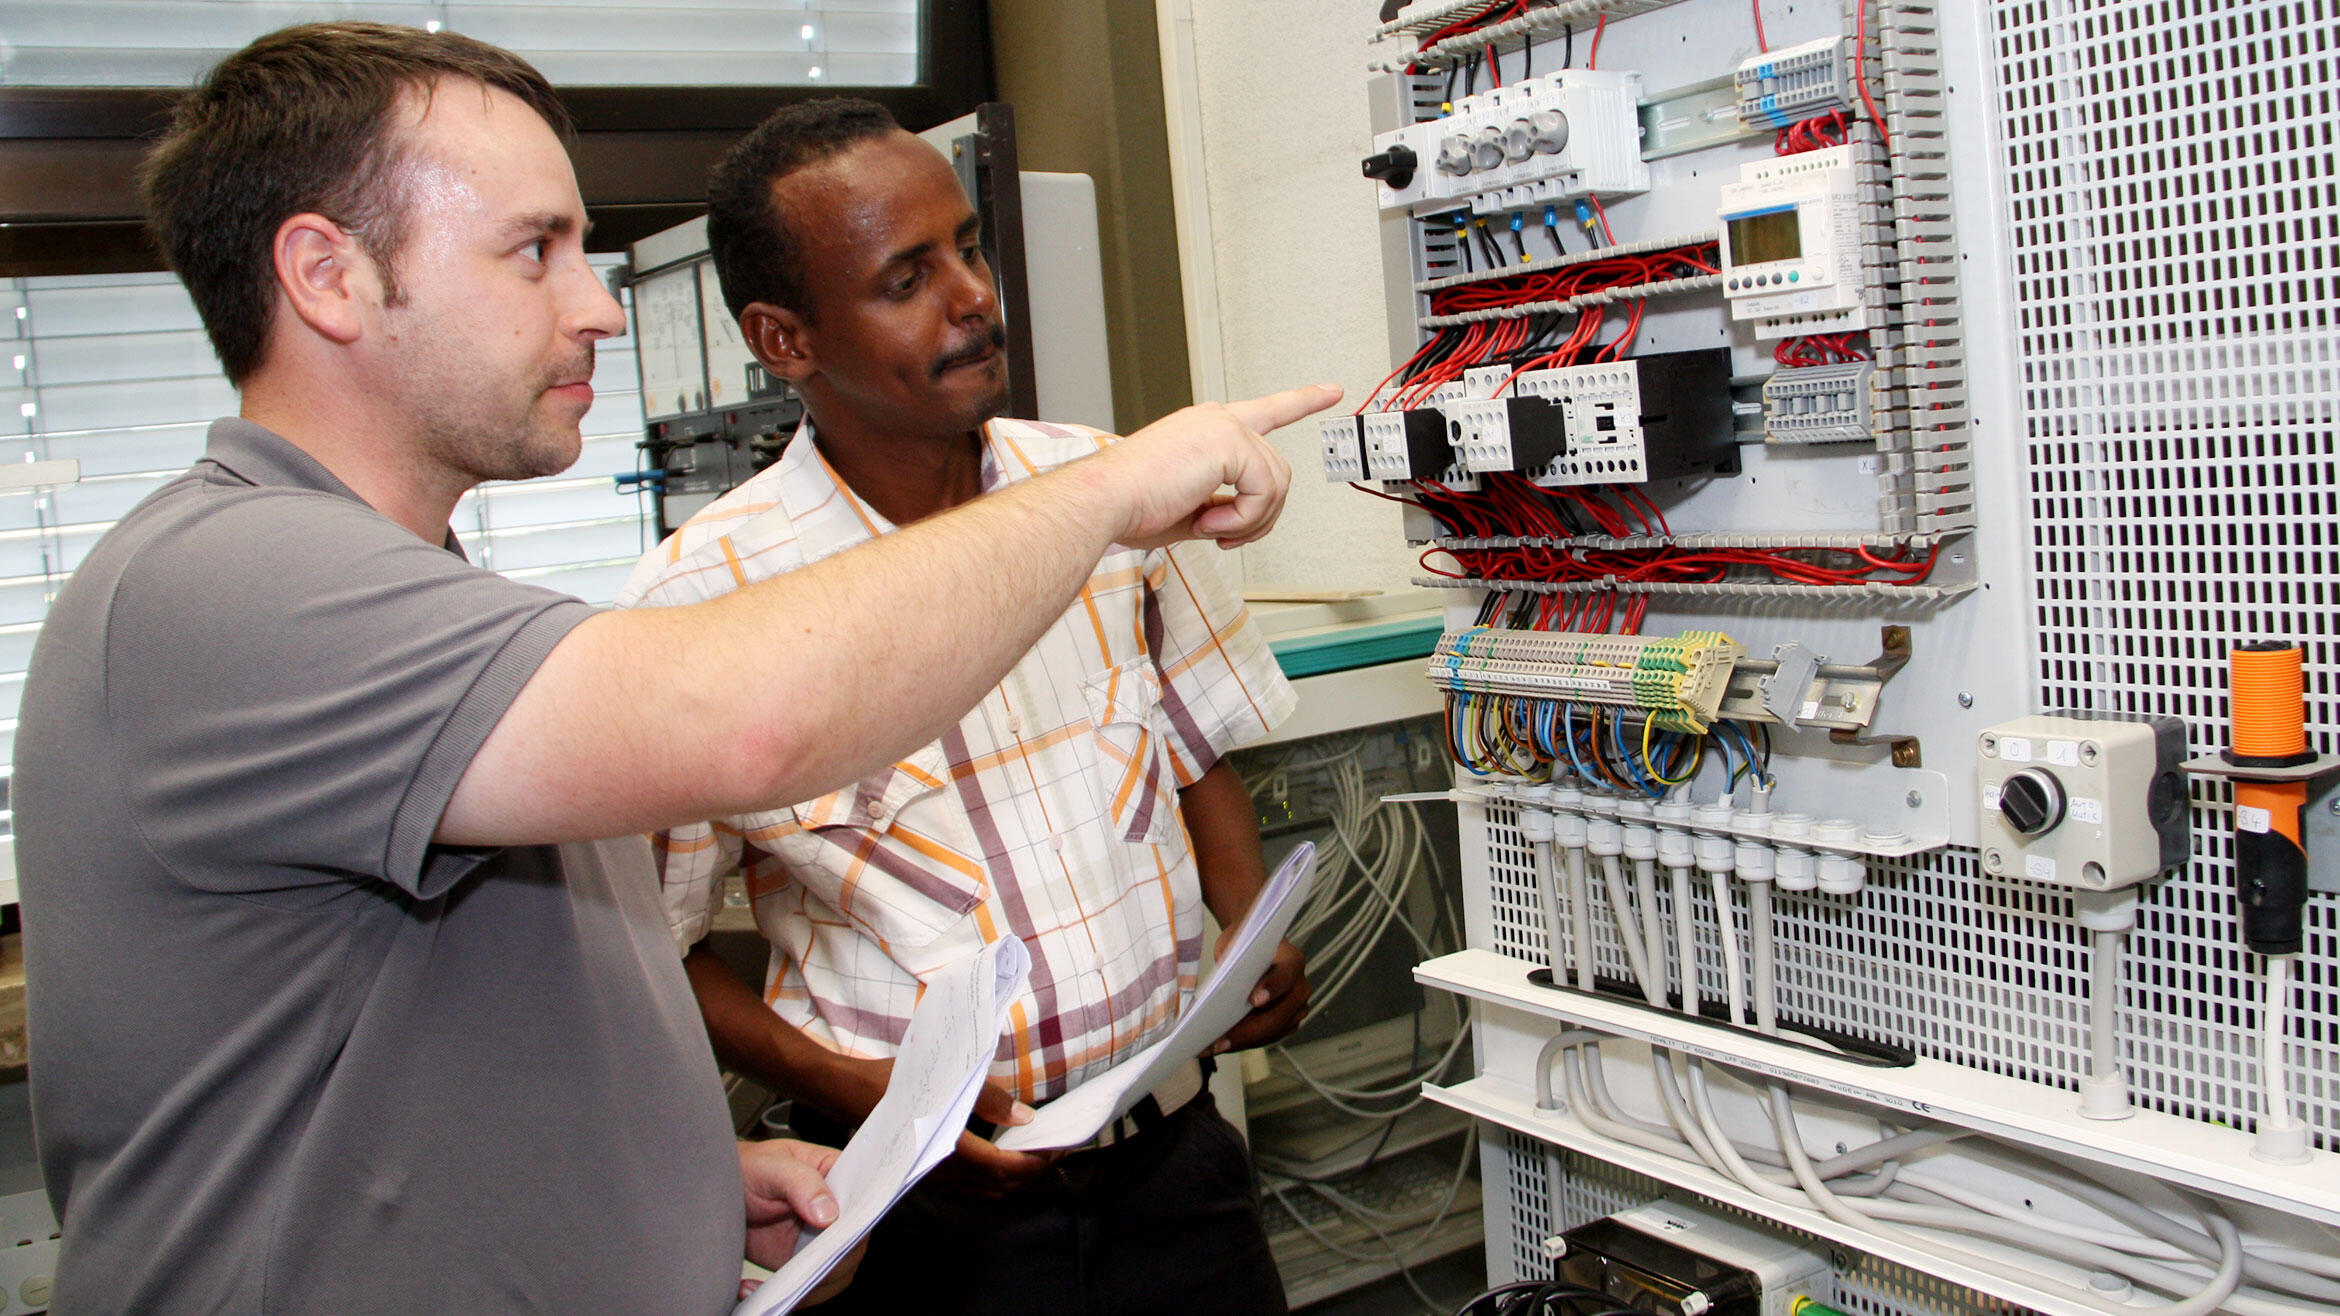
pixel 1568 738
pixel 1747 748
pixel 1625 756
pixel 1722 748
pixel 1454 737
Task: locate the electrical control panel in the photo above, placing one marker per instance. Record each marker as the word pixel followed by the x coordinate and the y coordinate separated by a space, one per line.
pixel 1791 257
pixel 2083 800
pixel 1831 855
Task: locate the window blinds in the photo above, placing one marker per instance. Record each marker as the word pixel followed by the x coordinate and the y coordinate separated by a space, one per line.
pixel 114 371
pixel 582 43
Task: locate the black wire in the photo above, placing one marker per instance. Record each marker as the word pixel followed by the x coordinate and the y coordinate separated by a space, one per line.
pixel 1527 56
pixel 1535 1297
pixel 1568 45
pixel 1519 240
pixel 1495 257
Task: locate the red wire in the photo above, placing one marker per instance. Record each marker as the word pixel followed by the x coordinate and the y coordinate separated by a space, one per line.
pixel 1607 234
pixel 1860 42
pixel 1593 60
pixel 1760 43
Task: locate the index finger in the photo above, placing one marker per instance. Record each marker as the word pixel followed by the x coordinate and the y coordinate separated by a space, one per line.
pixel 1276 410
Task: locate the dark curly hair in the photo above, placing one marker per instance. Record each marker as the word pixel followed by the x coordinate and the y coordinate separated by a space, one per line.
pixel 757 258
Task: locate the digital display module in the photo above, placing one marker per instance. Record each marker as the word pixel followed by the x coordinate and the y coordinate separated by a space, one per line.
pixel 1766 235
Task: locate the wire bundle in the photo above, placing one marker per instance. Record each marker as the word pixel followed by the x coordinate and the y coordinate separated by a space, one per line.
pixel 1367 874
pixel 1821 350
pixel 1576 280
pixel 1540 739
pixel 1670 564
pixel 1817 133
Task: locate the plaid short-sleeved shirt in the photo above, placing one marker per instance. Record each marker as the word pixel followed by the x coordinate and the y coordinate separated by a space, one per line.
pixel 1050 813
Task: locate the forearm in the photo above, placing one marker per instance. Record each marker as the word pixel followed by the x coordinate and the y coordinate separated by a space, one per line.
pixel 785 688
pixel 781 690
pixel 1224 828
pixel 752 1041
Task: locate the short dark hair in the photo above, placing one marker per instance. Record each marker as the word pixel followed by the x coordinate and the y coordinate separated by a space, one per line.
pixel 757 257
pixel 301 120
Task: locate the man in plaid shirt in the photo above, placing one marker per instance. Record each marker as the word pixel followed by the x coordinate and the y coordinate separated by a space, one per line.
pixel 1082 806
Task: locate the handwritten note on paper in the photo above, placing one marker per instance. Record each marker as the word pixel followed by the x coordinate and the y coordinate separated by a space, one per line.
pixel 1218 1005
pixel 946 1051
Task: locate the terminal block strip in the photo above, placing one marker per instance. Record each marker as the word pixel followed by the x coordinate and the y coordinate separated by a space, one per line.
pixel 1778 88
pixel 1679 681
pixel 1819 404
pixel 1918 399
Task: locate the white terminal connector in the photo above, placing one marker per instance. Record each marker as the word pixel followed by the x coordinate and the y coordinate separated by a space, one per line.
pixel 1840 874
pixel 1674 846
pixel 1796 871
pixel 1714 846
pixel 1641 839
pixel 1753 857
pixel 1343 450
pixel 1603 837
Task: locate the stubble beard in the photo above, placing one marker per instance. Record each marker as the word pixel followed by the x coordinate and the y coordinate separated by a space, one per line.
pixel 517 436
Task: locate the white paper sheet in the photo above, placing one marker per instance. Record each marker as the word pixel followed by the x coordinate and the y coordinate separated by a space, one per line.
pixel 946 1051
pixel 1218 1005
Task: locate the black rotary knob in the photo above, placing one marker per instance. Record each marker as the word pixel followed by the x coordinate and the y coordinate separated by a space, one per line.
pixel 2032 801
pixel 1394 166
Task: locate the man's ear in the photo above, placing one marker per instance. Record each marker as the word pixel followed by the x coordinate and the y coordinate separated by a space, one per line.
pixel 777 337
pixel 324 276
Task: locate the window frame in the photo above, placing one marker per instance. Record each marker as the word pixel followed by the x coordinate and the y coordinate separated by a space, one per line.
pixel 69 155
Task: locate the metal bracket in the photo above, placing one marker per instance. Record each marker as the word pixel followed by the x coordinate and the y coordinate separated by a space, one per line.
pixel 1693 118
pixel 1896 656
pixel 1838 697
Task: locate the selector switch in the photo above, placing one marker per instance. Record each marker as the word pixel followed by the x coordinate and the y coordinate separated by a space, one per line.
pixel 1394 166
pixel 2093 800
pixel 2032 801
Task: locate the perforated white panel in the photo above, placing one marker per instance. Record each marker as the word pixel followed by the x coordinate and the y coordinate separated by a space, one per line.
pixel 2174 225
pixel 1976 971
pixel 1590 1189
pixel 2175 231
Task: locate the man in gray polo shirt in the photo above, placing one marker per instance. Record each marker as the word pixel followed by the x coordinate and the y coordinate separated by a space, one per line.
pixel 337 1003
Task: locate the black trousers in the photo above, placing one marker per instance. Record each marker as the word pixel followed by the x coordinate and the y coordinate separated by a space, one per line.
pixel 1162 1224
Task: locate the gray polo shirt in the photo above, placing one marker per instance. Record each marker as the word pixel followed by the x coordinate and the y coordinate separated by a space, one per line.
pixel 288 1055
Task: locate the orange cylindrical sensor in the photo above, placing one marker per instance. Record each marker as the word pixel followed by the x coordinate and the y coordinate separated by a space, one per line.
pixel 2269 696
pixel 2269 684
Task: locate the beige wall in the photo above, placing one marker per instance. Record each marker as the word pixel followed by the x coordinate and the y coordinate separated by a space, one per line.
pixel 1295 237
pixel 1085 78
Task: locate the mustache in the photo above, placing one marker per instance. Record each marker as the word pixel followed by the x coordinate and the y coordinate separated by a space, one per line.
pixel 992 338
pixel 575 367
